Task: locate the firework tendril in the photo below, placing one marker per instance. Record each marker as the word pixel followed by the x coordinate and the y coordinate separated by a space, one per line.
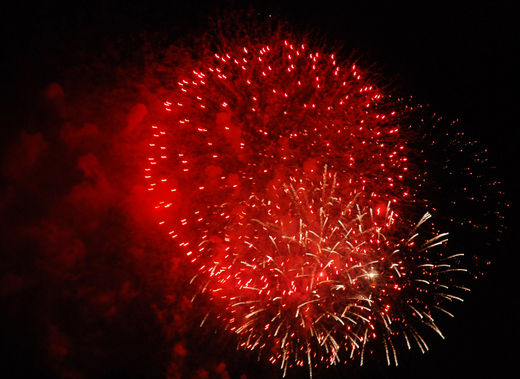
pixel 285 177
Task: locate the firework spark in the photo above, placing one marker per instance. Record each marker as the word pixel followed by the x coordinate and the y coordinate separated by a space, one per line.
pixel 285 177
pixel 310 276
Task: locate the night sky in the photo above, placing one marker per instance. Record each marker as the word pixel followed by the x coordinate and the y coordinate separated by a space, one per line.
pixel 89 288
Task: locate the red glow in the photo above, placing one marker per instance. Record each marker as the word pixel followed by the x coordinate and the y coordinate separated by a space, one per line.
pixel 288 190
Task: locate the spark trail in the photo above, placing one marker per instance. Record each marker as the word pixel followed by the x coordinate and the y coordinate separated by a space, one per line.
pixel 285 177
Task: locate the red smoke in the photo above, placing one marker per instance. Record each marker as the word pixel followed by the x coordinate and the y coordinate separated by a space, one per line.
pixel 88 284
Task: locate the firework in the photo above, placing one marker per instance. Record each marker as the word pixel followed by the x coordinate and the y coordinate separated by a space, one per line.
pixel 311 276
pixel 285 178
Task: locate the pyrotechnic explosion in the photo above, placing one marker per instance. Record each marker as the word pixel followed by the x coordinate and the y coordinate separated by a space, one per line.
pixel 284 175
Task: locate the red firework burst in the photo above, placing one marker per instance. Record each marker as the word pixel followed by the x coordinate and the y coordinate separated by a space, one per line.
pixel 284 177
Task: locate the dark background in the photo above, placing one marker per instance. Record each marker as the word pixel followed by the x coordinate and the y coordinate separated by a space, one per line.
pixel 457 58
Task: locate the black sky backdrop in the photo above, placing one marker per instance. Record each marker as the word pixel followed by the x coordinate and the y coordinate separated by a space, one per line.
pixel 75 301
